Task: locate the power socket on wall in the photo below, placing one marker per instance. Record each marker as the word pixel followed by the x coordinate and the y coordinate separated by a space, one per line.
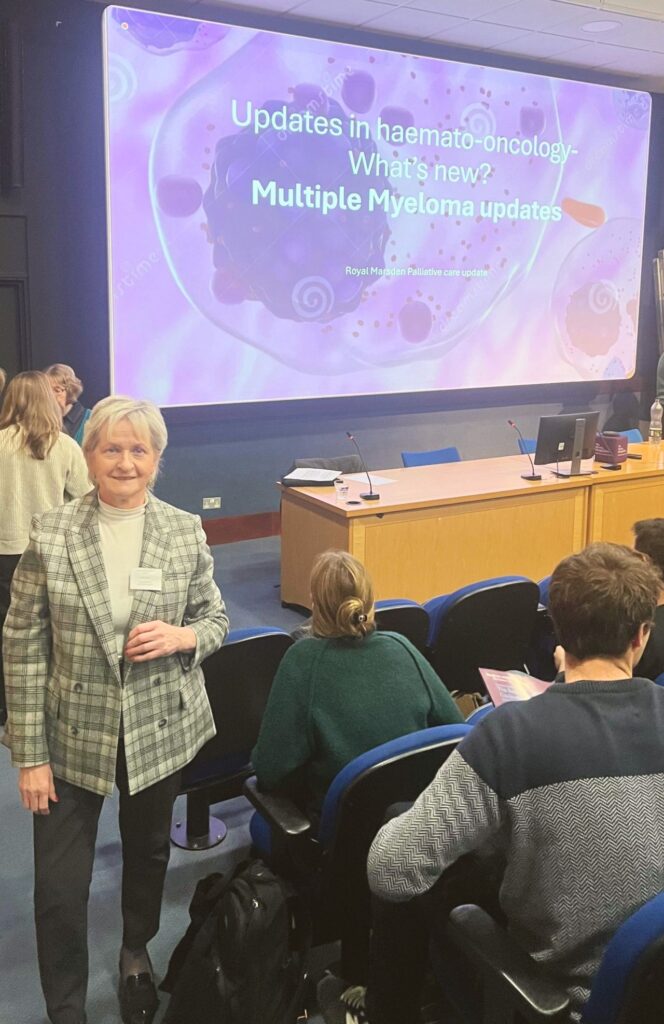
pixel 209 503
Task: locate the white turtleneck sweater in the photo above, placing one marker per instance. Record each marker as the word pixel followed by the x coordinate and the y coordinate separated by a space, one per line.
pixel 121 534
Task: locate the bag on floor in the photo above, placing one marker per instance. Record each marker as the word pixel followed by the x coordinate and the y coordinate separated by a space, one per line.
pixel 243 957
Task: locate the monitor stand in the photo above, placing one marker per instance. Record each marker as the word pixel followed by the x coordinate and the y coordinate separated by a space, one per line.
pixel 577 450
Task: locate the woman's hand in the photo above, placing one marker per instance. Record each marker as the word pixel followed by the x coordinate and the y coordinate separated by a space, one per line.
pixel 157 640
pixel 36 788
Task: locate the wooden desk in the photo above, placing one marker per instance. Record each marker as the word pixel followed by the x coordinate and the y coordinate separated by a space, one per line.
pixel 437 528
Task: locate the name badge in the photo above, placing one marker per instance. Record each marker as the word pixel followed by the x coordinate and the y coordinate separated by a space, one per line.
pixel 145 579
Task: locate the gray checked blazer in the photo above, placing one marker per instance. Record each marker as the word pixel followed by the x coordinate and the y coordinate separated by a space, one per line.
pixel 66 693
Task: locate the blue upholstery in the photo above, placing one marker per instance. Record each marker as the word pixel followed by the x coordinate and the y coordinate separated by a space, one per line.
pixel 401 745
pixel 401 615
pixel 527 445
pixel 633 436
pixel 620 958
pixel 479 713
pixel 235 636
pixel 544 590
pixel 659 680
pixel 438 607
pixel 261 835
pixel 431 458
pixel 396 602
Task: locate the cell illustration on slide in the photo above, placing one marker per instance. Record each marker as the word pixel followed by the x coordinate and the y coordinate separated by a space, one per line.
pixel 297 218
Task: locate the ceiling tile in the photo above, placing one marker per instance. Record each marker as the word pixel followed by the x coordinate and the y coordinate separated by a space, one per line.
pixel 528 14
pixel 636 61
pixel 479 34
pixel 590 55
pixel 343 12
pixel 413 22
pixel 460 8
pixel 541 45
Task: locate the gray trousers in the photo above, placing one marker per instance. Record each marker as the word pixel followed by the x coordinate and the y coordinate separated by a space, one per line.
pixel 64 848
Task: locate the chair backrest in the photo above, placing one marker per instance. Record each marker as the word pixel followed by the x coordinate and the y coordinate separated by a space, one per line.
pixel 406 617
pixel 527 445
pixel 431 458
pixel 628 986
pixel 344 463
pixel 543 586
pixel 488 624
pixel 238 679
pixel 479 713
pixel 633 436
pixel 356 802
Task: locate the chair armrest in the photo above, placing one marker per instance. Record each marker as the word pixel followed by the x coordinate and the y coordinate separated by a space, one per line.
pixel 510 971
pixel 280 812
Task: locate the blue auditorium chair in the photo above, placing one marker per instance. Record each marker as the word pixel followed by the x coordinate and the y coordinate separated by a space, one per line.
pixel 527 445
pixel 330 859
pixel 633 436
pixel 400 615
pixel 627 988
pixel 431 458
pixel 488 624
pixel 238 679
pixel 479 713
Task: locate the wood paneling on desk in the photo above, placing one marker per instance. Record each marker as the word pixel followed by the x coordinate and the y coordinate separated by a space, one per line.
pixel 436 528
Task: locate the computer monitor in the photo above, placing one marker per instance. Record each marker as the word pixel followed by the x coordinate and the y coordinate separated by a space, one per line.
pixel 568 437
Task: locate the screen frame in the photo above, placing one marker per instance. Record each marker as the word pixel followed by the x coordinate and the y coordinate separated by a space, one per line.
pixel 560 429
pixel 440 400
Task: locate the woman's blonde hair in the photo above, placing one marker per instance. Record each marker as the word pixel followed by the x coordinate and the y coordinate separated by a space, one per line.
pixel 30 405
pixel 67 379
pixel 144 416
pixel 342 596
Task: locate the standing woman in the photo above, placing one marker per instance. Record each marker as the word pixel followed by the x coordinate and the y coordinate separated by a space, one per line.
pixel 114 608
pixel 68 388
pixel 40 467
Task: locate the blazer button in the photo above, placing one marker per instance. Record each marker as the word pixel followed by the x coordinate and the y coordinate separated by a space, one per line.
pixel 157 681
pixel 162 723
pixel 74 730
pixel 78 687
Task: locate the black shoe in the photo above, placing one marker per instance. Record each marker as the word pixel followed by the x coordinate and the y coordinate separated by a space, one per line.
pixel 138 998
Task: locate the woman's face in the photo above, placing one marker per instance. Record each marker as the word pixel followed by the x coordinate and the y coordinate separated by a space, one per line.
pixel 122 465
pixel 60 394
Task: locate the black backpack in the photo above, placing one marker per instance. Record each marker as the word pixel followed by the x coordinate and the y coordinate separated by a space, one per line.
pixel 243 957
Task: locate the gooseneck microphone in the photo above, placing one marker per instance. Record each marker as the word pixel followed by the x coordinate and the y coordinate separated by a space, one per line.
pixel 371 495
pixel 525 476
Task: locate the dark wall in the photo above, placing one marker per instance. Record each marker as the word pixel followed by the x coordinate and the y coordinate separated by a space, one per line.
pixel 53 249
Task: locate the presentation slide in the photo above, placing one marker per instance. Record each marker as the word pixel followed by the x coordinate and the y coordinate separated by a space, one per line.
pixel 296 218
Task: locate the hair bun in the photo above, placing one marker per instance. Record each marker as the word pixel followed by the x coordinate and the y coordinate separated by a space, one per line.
pixel 361 617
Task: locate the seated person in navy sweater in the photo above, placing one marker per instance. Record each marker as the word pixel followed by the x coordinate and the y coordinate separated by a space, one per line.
pixel 570 783
pixel 649 540
pixel 344 690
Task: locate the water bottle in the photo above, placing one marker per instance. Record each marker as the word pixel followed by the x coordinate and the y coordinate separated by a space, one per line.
pixel 655 429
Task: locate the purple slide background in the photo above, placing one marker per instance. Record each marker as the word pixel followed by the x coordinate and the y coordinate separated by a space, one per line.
pixel 217 300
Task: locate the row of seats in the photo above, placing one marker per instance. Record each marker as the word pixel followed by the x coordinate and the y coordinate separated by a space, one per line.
pixel 330 862
pixel 489 624
pixel 527 446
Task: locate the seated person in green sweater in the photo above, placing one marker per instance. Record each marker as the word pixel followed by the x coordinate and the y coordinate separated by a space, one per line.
pixel 344 690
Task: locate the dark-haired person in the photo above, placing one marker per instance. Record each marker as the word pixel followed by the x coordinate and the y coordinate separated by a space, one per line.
pixel 344 690
pixel 571 783
pixel 68 388
pixel 649 540
pixel 40 467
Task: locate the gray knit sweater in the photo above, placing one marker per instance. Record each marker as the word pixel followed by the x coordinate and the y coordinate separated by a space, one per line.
pixel 571 784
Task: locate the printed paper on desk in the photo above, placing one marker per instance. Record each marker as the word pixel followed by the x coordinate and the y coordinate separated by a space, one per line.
pixel 313 475
pixel 507 686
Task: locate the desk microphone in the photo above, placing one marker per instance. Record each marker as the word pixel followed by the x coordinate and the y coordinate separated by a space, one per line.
pixel 525 476
pixel 371 495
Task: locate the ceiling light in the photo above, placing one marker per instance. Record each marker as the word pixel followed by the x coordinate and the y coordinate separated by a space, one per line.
pixel 600 26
